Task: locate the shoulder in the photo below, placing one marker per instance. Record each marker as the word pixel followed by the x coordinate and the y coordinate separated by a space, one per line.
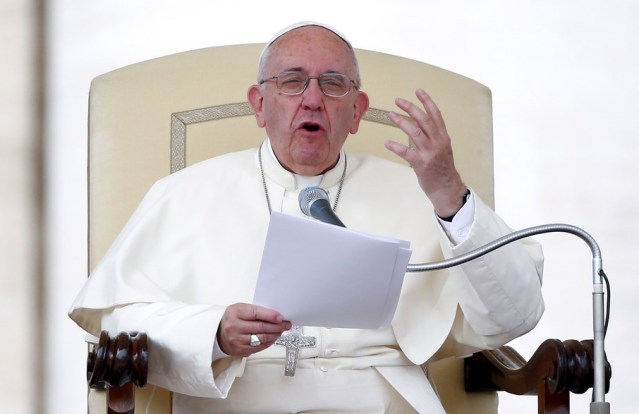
pixel 372 161
pixel 384 197
pixel 219 168
pixel 380 171
pixel 373 178
pixel 208 179
pixel 198 189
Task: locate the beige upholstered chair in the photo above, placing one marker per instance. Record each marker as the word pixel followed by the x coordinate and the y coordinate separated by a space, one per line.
pixel 152 118
pixel 155 117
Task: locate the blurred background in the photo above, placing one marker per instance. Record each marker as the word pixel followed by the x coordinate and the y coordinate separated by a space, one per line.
pixel 565 92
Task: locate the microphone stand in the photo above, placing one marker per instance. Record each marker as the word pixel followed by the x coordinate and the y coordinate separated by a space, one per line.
pixel 598 405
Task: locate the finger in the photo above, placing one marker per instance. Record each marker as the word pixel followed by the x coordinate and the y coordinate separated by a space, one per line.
pixel 265 314
pixel 410 128
pixel 248 312
pixel 403 151
pixel 244 344
pixel 266 328
pixel 429 119
pixel 239 322
pixel 416 126
pixel 264 338
pixel 419 116
pixel 431 109
pixel 232 326
pixel 248 346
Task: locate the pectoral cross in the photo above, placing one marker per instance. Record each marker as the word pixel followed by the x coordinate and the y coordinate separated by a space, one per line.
pixel 293 340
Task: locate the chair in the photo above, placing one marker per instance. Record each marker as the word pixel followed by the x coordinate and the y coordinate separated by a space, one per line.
pixel 150 119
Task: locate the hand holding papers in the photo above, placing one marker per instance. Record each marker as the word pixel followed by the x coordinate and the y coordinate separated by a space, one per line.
pixel 316 274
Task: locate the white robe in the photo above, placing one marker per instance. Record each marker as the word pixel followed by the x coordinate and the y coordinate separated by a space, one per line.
pixel 194 246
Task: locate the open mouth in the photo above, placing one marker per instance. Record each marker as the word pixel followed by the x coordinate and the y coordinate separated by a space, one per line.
pixel 310 127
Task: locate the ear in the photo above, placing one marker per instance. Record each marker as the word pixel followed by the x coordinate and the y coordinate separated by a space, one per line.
pixel 361 106
pixel 256 101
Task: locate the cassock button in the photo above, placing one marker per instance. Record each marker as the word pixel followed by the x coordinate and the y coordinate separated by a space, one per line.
pixel 332 351
pixel 323 369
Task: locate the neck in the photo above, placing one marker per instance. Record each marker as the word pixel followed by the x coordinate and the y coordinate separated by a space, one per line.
pixel 303 180
pixel 307 170
pixel 304 171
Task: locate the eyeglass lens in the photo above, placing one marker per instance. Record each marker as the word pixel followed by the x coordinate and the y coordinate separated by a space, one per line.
pixel 331 84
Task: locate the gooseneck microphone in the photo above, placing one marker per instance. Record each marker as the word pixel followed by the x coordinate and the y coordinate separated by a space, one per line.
pixel 600 311
pixel 314 203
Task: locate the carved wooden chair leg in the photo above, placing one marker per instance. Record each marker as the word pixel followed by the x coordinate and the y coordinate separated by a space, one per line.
pixel 549 402
pixel 119 364
pixel 121 400
pixel 554 371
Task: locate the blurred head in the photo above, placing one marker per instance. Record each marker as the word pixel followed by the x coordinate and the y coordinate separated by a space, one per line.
pixel 301 76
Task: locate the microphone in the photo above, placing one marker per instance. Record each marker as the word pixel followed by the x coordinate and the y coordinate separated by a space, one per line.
pixel 599 310
pixel 314 203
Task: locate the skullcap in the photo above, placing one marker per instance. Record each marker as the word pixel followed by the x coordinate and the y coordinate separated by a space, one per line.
pixel 304 24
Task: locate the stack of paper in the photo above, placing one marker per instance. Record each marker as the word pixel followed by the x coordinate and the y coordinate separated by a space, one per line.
pixel 316 274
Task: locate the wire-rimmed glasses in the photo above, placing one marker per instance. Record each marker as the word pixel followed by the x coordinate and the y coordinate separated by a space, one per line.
pixel 333 84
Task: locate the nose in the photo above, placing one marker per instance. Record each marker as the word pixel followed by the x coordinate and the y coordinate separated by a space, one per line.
pixel 313 97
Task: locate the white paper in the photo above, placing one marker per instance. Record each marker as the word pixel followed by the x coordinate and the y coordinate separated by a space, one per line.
pixel 316 274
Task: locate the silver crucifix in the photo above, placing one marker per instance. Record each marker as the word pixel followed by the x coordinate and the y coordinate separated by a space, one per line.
pixel 293 340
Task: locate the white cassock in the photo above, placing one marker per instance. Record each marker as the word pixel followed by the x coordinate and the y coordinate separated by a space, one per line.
pixel 194 246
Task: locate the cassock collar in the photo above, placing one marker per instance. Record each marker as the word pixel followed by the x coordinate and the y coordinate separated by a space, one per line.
pixel 274 171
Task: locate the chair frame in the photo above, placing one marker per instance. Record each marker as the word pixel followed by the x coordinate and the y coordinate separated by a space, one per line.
pixel 119 361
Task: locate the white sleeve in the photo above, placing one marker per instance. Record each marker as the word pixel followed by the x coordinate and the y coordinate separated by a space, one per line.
pixel 499 293
pixel 181 346
pixel 457 230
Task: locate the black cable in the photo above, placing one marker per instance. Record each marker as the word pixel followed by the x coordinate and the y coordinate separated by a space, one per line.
pixel 605 278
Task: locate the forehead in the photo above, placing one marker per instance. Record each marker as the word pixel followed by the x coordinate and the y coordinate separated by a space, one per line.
pixel 311 48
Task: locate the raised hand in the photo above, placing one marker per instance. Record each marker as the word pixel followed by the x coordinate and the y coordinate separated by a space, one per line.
pixel 430 153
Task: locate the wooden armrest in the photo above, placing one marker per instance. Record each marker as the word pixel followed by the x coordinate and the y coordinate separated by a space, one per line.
pixel 119 364
pixel 554 371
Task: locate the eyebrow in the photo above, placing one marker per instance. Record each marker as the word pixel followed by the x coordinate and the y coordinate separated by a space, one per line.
pixel 299 69
pixel 295 69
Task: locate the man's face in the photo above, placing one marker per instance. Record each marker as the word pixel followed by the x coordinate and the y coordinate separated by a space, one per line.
pixel 308 130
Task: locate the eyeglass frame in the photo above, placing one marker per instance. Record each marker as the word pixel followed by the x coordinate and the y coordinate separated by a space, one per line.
pixel 308 80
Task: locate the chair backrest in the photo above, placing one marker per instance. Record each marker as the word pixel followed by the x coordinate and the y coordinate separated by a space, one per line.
pixel 152 118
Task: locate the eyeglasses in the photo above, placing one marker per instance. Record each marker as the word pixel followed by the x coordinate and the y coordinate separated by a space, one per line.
pixel 335 85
